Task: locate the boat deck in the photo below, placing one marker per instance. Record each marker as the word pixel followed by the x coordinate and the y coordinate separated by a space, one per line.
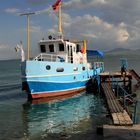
pixel 116 74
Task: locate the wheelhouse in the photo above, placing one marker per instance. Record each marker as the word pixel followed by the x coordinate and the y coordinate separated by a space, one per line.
pixel 60 51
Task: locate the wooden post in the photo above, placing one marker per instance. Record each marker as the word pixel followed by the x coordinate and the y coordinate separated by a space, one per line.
pixel 28 37
pixel 28 32
pixel 135 113
pixel 130 86
pixel 124 83
pixel 59 21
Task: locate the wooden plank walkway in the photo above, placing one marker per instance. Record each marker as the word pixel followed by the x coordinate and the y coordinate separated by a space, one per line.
pixel 119 115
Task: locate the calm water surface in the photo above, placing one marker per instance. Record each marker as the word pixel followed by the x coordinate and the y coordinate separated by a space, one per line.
pixel 56 119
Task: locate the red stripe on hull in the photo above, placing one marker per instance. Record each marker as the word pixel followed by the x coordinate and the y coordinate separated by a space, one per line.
pixel 51 99
pixel 53 94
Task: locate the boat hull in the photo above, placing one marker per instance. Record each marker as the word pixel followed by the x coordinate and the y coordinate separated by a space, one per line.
pixel 38 84
pixel 55 93
pixel 49 89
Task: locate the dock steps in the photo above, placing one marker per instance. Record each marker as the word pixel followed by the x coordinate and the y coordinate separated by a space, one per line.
pixel 119 115
pixel 135 75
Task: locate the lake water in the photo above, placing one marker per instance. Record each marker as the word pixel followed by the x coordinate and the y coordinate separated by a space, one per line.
pixel 73 117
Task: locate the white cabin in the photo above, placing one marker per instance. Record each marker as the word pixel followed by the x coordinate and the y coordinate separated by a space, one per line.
pixel 61 51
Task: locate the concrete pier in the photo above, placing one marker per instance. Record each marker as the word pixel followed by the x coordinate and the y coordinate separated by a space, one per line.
pixel 111 132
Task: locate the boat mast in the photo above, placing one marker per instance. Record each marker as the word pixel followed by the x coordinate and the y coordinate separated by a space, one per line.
pixel 60 22
pixel 28 32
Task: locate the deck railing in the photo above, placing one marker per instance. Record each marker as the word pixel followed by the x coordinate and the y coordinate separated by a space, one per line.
pixel 52 58
pixel 64 58
pixel 98 65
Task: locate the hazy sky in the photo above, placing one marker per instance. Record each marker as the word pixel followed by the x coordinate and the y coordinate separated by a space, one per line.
pixel 106 24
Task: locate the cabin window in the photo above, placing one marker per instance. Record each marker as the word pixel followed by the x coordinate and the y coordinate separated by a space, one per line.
pixel 43 48
pixel 48 67
pixel 60 69
pixel 77 48
pixel 61 47
pixel 51 47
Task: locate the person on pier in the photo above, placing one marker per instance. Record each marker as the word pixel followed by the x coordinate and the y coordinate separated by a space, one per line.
pixel 123 71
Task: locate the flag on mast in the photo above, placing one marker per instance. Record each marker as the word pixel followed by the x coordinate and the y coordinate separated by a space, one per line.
pixel 56 5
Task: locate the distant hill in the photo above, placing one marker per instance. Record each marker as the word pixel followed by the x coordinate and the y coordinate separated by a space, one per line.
pixel 123 52
pixel 118 50
pixel 138 50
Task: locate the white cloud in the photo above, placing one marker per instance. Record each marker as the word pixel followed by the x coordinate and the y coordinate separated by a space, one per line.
pixel 106 23
pixel 66 20
pixel 35 29
pixel 89 35
pixel 114 22
pixel 12 10
pixel 37 1
pixel 83 3
pixel 94 29
pixel 4 46
pixel 122 35
pixel 7 51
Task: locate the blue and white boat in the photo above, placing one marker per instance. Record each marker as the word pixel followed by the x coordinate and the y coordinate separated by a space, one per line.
pixel 60 68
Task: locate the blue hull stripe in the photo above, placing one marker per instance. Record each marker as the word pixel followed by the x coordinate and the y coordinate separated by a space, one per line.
pixel 51 87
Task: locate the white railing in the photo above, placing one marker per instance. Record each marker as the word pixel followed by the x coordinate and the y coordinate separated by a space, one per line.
pixel 98 65
pixel 52 58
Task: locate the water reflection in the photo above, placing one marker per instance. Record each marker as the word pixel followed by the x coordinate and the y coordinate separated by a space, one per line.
pixel 63 114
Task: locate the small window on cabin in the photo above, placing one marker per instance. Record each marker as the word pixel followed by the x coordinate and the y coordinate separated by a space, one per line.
pixel 51 47
pixel 77 48
pixel 60 69
pixel 43 48
pixel 61 47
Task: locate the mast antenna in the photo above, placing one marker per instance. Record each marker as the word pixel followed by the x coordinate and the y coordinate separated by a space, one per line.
pixel 60 20
pixel 28 32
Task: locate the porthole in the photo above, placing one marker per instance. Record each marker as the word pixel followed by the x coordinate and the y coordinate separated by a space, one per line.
pixel 60 69
pixel 83 68
pixel 48 67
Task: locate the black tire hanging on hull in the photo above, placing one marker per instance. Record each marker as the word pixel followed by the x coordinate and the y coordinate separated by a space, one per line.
pixel 93 85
